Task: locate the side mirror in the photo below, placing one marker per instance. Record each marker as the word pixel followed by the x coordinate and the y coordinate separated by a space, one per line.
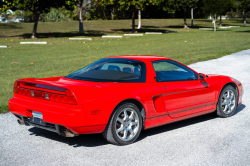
pixel 202 76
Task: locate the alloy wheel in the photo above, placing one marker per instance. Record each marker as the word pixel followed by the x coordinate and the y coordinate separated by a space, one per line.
pixel 127 124
pixel 228 101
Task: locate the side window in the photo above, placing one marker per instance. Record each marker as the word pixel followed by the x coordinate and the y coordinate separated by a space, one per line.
pixel 168 70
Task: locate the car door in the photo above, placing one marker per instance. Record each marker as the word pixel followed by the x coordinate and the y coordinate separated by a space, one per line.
pixel 182 92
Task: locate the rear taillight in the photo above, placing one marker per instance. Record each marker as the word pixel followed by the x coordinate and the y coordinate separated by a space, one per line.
pixel 66 97
pixel 61 98
pixel 15 88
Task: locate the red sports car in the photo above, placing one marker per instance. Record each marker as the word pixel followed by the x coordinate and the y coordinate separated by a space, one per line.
pixel 120 96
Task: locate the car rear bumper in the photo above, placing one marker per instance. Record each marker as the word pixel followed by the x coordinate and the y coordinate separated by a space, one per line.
pixel 57 116
pixel 66 131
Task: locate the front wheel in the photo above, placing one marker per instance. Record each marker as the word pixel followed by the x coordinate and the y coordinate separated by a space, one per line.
pixel 124 126
pixel 227 102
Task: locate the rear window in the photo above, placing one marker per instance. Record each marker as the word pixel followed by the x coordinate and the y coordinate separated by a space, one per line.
pixel 112 70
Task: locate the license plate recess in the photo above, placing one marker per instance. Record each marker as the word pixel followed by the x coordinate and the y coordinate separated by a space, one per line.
pixel 37 117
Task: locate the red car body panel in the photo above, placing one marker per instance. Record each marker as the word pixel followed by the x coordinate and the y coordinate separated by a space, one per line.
pixel 164 102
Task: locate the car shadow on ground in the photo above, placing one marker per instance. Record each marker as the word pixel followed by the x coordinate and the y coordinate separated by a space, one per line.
pixel 183 123
pixel 94 140
pixel 87 140
pixel 239 108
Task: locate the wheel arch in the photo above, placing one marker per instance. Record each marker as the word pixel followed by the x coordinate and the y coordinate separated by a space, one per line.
pixel 135 102
pixel 234 86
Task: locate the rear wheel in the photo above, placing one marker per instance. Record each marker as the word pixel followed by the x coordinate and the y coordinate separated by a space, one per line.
pixel 124 126
pixel 227 102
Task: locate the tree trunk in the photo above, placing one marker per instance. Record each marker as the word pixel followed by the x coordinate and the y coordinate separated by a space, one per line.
pixel 244 17
pixel 139 19
pixel 112 14
pixel 35 26
pixel 185 21
pixel 214 24
pixel 220 20
pixel 192 17
pixel 133 22
pixel 80 18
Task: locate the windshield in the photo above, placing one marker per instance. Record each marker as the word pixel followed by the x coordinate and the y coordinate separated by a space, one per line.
pixel 112 70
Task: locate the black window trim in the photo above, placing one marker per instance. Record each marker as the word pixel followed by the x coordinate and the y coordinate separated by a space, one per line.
pixel 158 80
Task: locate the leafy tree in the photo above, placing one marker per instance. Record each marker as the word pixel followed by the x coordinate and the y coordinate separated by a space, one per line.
pixel 36 6
pixel 184 5
pixel 28 16
pixel 166 6
pixel 93 13
pixel 83 5
pixel 217 7
pixel 244 6
pixel 223 7
pixel 130 5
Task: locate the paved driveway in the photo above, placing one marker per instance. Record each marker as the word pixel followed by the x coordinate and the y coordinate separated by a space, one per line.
pixel 204 140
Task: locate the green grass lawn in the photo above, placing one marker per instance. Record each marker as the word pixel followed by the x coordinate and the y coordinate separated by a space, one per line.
pixel 62 56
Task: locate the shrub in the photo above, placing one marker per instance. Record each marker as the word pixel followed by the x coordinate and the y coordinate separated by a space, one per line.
pixel 60 14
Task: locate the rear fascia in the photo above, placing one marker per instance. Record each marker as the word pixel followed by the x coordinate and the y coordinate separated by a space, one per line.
pixel 58 113
pixel 70 116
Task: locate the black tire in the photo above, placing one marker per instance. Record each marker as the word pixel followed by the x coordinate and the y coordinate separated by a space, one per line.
pixel 220 108
pixel 110 133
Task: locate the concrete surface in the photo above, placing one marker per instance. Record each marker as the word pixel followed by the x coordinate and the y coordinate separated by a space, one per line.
pixel 204 140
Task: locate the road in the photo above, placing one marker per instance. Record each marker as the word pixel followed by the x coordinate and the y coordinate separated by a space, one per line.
pixel 204 140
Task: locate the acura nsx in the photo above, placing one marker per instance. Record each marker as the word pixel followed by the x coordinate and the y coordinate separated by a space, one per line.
pixel 120 96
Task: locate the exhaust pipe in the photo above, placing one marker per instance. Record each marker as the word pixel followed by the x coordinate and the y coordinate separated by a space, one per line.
pixel 68 133
pixel 20 122
pixel 26 124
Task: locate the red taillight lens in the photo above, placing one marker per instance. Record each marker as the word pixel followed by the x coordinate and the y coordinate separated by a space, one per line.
pixel 62 98
pixel 66 98
pixel 15 88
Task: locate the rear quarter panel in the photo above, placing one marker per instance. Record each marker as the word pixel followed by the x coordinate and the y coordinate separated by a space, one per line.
pixel 106 96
